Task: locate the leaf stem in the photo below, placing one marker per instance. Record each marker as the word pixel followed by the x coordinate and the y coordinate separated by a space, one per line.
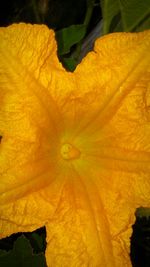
pixel 36 13
pixel 89 12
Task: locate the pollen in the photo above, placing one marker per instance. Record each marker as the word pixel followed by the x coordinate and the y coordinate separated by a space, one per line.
pixel 69 152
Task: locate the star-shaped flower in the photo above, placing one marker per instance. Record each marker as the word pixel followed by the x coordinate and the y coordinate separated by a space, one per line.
pixel 75 147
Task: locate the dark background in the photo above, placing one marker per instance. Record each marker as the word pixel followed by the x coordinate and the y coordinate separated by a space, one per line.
pixel 57 14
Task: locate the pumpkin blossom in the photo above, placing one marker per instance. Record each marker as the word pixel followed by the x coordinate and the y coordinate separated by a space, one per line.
pixel 75 147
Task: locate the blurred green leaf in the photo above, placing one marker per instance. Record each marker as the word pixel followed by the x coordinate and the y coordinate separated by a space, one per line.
pixel 69 63
pixel 125 15
pixel 89 11
pixel 143 212
pixel 116 24
pixel 133 12
pixel 67 37
pixel 22 255
pixel 110 10
pixel 3 252
pixel 37 241
pixel 144 25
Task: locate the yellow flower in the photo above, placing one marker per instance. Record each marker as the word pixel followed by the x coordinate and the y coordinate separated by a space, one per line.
pixel 75 147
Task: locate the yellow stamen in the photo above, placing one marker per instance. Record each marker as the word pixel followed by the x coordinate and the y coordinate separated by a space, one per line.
pixel 69 152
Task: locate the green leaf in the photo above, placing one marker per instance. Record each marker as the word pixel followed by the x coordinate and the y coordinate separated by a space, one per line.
pixel 125 15
pixel 143 212
pixel 144 25
pixel 116 24
pixel 69 63
pixel 133 12
pixel 22 255
pixel 2 252
pixel 67 37
pixel 110 10
pixel 37 241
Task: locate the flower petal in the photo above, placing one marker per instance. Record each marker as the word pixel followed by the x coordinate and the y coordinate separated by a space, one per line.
pixel 29 128
pixel 115 132
pixel 101 111
pixel 87 240
pixel 30 212
pixel 108 74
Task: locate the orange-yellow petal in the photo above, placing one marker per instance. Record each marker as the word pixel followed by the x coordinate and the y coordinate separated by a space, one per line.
pixel 29 117
pixel 74 153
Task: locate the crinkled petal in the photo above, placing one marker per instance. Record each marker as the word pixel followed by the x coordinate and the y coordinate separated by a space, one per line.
pixel 115 82
pixel 30 120
pixel 101 111
pixel 108 74
pixel 30 212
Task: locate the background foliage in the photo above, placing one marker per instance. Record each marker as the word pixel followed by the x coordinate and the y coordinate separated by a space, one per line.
pixel 77 24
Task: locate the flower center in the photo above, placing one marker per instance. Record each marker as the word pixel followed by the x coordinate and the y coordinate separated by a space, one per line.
pixel 69 152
